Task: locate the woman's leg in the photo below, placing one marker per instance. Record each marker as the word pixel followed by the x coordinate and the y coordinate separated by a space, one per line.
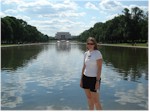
pixel 89 98
pixel 95 97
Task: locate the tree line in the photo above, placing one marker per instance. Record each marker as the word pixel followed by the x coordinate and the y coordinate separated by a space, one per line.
pixel 18 31
pixel 129 27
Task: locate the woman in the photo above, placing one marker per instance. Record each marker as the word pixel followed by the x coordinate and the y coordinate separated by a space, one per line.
pixel 91 74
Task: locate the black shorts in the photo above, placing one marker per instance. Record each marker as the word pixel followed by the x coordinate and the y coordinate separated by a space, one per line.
pixel 89 83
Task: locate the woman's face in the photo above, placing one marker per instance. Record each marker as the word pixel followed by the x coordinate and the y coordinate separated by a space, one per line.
pixel 90 45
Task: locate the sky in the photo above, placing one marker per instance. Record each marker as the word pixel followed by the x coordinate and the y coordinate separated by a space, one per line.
pixel 74 16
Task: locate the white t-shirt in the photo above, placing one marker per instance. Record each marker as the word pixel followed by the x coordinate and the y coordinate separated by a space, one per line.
pixel 90 59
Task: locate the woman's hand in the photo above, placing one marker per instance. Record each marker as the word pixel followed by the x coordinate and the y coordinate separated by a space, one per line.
pixel 97 85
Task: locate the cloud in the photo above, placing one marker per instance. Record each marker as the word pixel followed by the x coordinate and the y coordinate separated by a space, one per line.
pixel 2 14
pixel 25 18
pixel 11 1
pixel 67 4
pixel 110 5
pixel 41 6
pixel 91 6
pixel 67 14
pixel 11 11
pixel 47 5
pixel 115 5
pixel 109 17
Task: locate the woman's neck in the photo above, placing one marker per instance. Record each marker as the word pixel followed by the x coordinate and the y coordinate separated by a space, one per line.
pixel 91 50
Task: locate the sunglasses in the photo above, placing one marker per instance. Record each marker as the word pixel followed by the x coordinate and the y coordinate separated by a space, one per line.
pixel 90 43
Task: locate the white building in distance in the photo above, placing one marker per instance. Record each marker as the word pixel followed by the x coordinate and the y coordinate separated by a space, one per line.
pixel 63 35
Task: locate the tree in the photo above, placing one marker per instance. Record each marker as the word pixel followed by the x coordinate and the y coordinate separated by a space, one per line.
pixel 131 26
pixel 137 16
pixel 18 31
pixel 7 31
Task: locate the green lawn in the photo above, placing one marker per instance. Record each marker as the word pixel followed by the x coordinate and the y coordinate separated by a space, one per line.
pixel 8 44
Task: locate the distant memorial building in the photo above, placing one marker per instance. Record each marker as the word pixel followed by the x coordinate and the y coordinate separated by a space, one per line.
pixel 63 35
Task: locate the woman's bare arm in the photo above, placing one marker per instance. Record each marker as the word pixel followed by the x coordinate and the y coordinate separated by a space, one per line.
pixel 99 65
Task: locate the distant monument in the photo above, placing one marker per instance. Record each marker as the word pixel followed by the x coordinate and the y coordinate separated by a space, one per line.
pixel 63 35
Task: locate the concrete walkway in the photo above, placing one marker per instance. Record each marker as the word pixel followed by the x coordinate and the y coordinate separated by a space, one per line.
pixel 15 45
pixel 123 46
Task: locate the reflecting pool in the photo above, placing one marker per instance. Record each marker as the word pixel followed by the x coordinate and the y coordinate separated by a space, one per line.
pixel 47 77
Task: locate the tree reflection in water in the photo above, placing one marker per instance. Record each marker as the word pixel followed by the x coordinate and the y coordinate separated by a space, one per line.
pixel 129 62
pixel 14 57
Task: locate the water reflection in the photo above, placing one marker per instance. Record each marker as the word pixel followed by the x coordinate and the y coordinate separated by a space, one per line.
pixel 129 62
pixel 14 57
pixel 12 89
pixel 49 78
pixel 63 46
pixel 131 96
pixel 45 74
pixel 13 78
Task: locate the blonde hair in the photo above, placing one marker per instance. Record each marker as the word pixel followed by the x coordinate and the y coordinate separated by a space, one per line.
pixel 94 41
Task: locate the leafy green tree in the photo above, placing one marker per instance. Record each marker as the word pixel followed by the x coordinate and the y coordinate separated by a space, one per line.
pixel 137 16
pixel 18 31
pixel 131 27
pixel 7 31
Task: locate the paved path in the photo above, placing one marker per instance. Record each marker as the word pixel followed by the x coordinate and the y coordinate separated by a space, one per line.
pixel 123 45
pixel 15 45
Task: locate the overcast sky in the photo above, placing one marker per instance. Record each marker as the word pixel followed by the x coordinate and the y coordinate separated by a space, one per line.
pixel 74 16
